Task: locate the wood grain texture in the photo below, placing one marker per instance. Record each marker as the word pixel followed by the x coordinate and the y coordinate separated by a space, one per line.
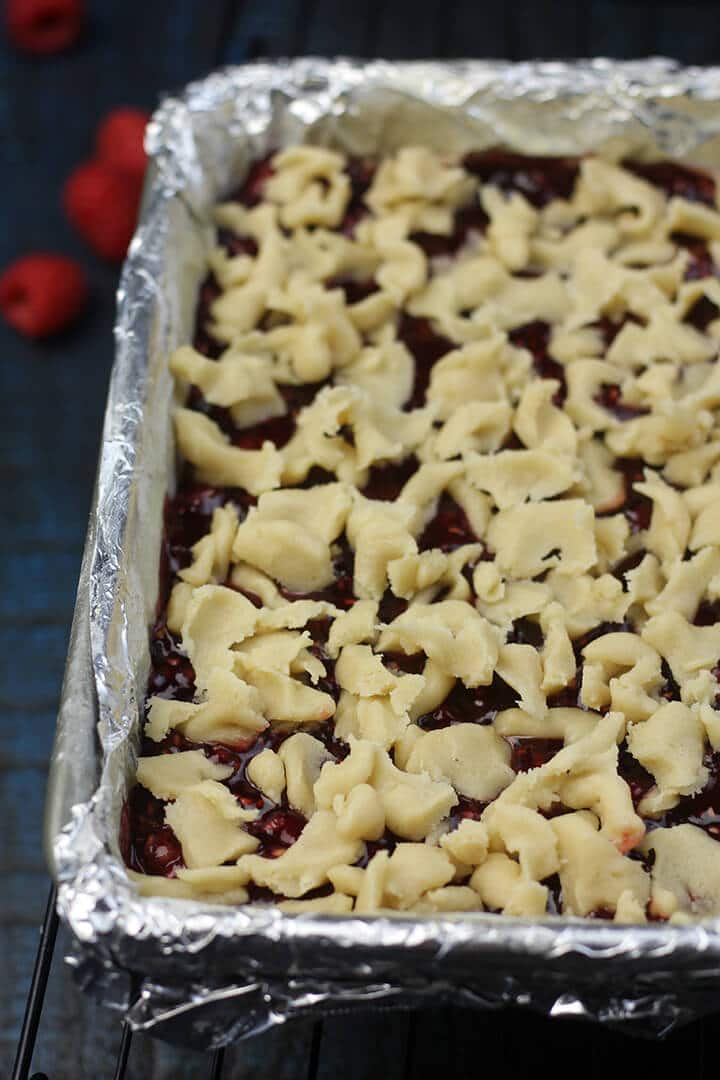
pixel 363 1046
pixel 53 397
pixel 551 31
pixel 266 29
pixel 343 29
pixel 406 30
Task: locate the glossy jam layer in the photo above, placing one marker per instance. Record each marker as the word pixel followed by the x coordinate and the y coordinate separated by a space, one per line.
pixel 149 845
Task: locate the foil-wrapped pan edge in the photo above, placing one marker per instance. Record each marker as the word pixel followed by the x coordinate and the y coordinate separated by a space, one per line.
pixel 267 966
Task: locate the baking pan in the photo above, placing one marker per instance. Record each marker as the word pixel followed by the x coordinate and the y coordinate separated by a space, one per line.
pixel 207 975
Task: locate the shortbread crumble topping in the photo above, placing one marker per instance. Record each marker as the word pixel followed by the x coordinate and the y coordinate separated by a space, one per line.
pixel 440 614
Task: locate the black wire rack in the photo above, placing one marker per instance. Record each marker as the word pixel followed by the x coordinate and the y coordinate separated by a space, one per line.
pixel 34 1008
pixel 426 1048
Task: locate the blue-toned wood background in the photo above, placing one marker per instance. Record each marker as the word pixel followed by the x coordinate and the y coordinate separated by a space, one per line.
pixel 51 404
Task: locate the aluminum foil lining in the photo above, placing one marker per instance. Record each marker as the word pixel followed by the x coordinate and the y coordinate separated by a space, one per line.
pixel 207 975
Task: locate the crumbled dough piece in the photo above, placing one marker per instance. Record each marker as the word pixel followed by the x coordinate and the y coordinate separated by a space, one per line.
pixel 460 641
pixel 539 424
pixel 516 476
pixel 529 539
pixel 512 222
pixel 583 775
pixel 624 672
pixel 360 814
pixel 687 583
pixel 473 373
pixel 305 865
pixel 303 757
pixel 495 879
pixel 657 437
pixel 267 772
pixel 669 529
pixel 412 870
pixel 473 759
pixel 520 666
pixel 385 371
pixel 524 833
pixel 449 898
pixel 468 844
pixel 604 188
pixel 415 190
pixel 207 820
pixel 413 803
pixel 168 775
pixel 371 718
pixel 288 535
pixel 211 885
pixel 231 713
pixel 216 618
pixel 287 700
pixel 481 426
pixel 587 600
pixel 688 649
pixel 359 671
pixel 568 724
pixel 670 745
pixel 686 871
pixel 593 874
pixel 344 431
pixel 309 185
pixel 211 554
pixel 558 657
pixel 358 625
pixel 242 383
pixel 203 444
pixel 334 904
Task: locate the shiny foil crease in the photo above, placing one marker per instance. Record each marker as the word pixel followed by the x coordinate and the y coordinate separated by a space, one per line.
pixel 207 975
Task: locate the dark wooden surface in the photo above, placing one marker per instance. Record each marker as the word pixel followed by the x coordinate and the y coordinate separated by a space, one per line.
pixel 53 397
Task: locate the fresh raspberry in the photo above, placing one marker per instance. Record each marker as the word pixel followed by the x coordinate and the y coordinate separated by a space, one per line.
pixel 42 294
pixel 102 203
pixel 119 140
pixel 44 26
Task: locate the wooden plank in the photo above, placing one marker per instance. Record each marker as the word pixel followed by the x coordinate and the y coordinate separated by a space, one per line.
pixel 470 30
pixel 689 32
pixel 362 1045
pixel 347 30
pixel 551 31
pixel 475 1035
pixel 280 1053
pixel 33 666
pixel 77 1037
pixel 26 738
pixel 47 592
pixel 611 1050
pixel 431 1047
pixel 21 796
pixel 526 1042
pixel 407 30
pixel 264 29
pixel 624 31
pixel 53 395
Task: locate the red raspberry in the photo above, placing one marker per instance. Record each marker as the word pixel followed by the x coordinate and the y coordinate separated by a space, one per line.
pixel 44 26
pixel 102 204
pixel 42 294
pixel 119 140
